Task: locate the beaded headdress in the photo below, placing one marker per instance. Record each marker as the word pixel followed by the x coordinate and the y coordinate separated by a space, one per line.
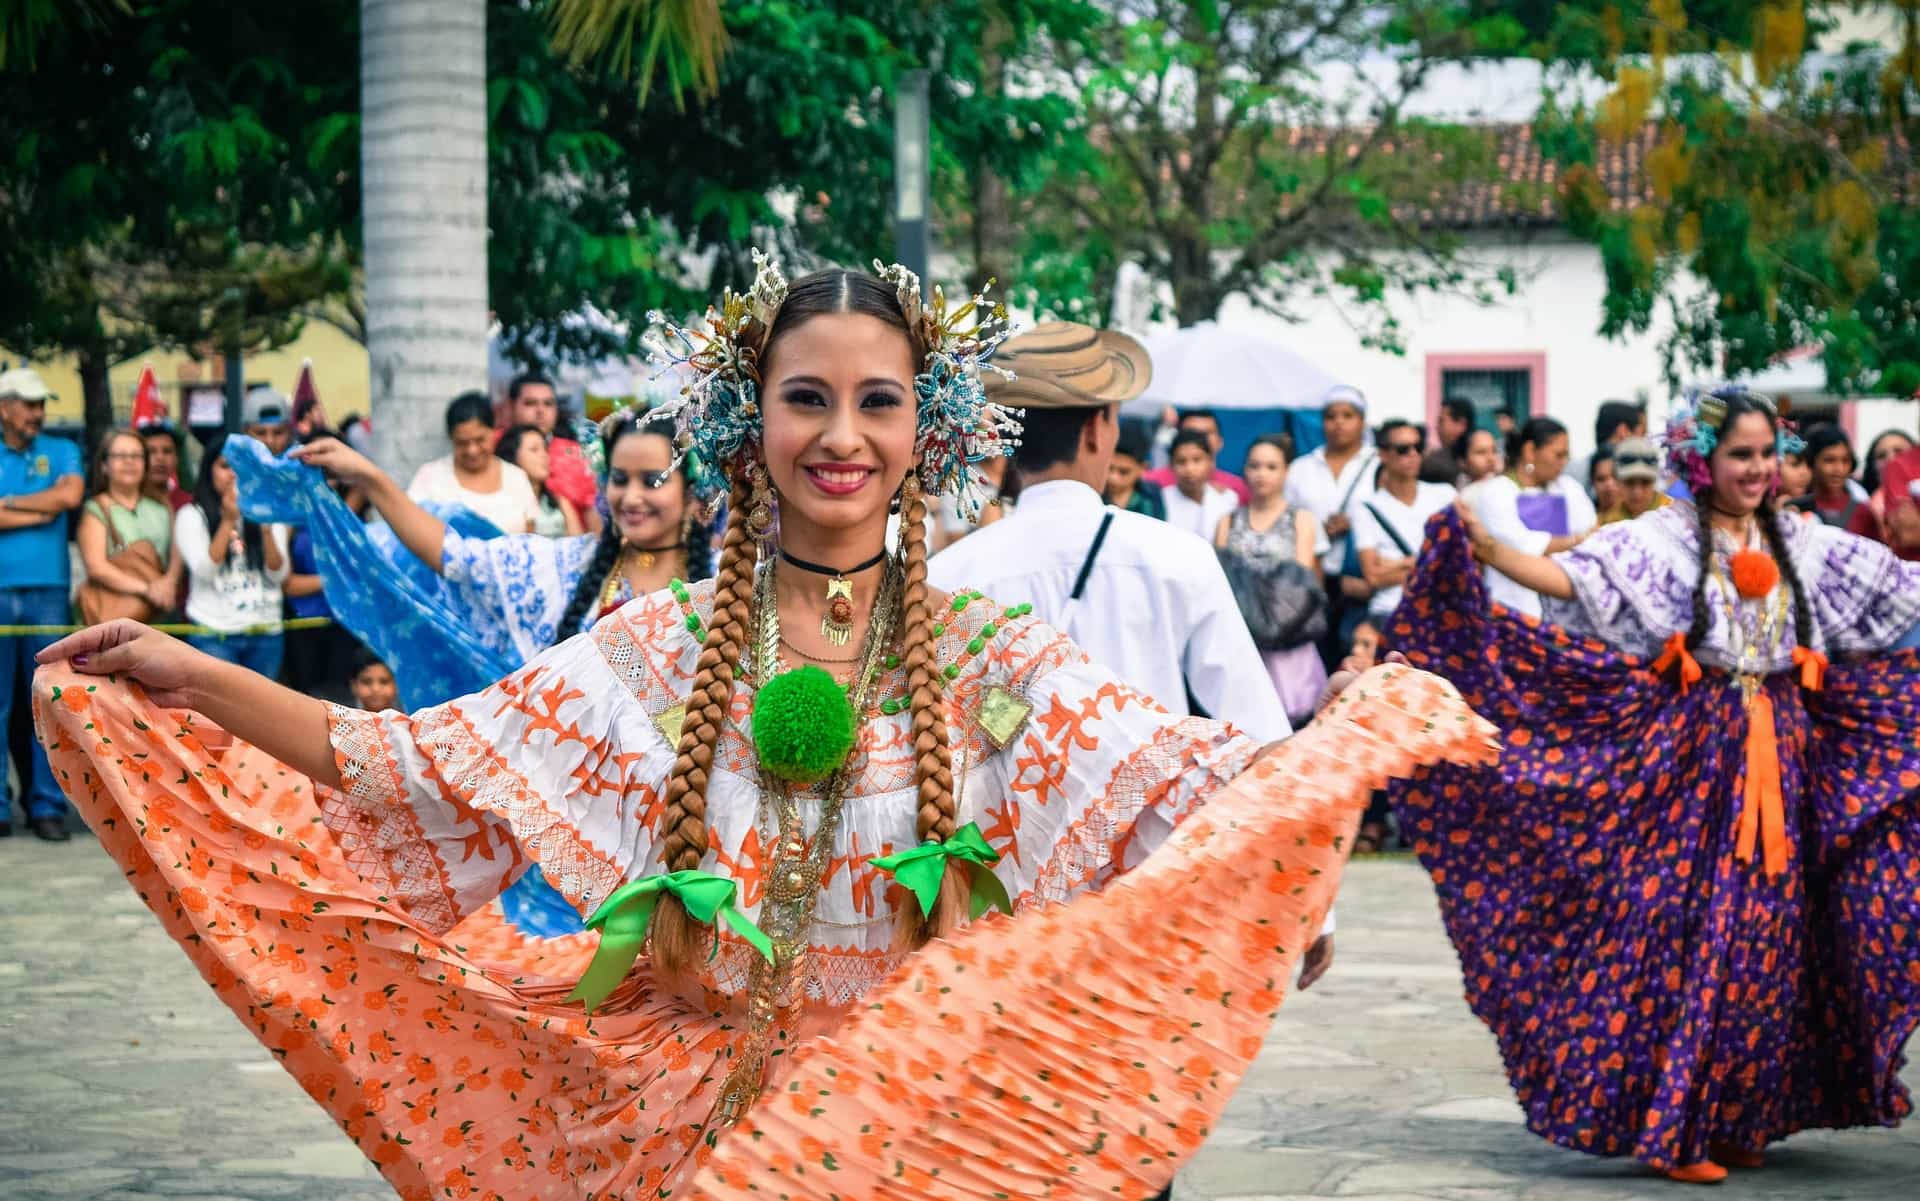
pixel 717 415
pixel 596 443
pixel 1695 428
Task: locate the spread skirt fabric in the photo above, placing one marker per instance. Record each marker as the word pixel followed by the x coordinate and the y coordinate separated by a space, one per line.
pixel 1081 1049
pixel 1653 991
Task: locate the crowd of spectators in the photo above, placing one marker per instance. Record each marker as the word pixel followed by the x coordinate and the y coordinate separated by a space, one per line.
pixel 150 527
pixel 1318 546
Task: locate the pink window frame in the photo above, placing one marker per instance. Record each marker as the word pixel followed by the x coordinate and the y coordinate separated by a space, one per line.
pixel 1533 362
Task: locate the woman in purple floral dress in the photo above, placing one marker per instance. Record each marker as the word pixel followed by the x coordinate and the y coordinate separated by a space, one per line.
pixel 1687 899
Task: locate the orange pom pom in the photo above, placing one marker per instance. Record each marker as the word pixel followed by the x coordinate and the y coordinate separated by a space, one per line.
pixel 1754 573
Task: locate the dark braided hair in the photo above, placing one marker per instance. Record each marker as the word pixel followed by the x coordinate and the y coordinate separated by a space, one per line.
pixel 607 551
pixel 206 498
pixel 1738 404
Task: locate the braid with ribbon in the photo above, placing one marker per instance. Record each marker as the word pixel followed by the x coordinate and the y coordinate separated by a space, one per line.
pixel 935 817
pixel 677 940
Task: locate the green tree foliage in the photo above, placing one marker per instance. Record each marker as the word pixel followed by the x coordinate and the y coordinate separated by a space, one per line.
pixel 219 166
pixel 153 192
pixel 603 194
pixel 1260 147
pixel 1779 206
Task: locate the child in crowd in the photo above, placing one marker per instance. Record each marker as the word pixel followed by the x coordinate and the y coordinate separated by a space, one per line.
pixel 1125 488
pixel 374 689
pixel 1365 651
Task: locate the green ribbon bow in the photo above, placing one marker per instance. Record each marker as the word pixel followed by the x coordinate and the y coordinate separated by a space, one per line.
pixel 921 869
pixel 623 918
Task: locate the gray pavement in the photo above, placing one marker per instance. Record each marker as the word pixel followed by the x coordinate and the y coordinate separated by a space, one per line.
pixel 123 1079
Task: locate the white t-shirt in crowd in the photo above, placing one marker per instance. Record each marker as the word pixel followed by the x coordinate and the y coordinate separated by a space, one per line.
pixel 1201 517
pixel 229 596
pixel 1407 520
pixel 1496 502
pixel 1311 485
pixel 513 507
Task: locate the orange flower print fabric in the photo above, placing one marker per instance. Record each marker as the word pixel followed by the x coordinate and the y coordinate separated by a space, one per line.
pixel 351 931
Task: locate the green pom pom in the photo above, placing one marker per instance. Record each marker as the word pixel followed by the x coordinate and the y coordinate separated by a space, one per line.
pixel 802 725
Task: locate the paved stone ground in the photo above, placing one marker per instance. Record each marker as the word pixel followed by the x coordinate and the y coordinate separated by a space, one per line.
pixel 123 1079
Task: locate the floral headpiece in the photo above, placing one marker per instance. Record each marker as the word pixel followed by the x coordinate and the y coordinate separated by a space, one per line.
pixel 717 414
pixel 597 438
pixel 1694 431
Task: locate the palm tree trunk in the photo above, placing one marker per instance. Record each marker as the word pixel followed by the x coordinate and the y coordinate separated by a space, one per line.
pixel 423 151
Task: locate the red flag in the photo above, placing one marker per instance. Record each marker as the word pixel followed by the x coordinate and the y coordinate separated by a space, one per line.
pixel 307 409
pixel 148 409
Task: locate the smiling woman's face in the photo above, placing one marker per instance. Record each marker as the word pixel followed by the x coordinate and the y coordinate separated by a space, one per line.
pixel 839 423
pixel 645 494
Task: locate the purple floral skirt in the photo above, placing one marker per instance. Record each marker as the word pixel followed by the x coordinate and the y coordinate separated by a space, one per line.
pixel 1652 993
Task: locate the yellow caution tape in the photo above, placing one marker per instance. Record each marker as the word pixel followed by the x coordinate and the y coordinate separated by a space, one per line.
pixel 176 627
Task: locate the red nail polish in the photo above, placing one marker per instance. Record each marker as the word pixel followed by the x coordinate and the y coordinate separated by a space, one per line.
pixel 79 660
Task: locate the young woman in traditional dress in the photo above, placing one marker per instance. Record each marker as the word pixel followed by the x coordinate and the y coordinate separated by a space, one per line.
pixel 788 798
pixel 1686 900
pixel 452 605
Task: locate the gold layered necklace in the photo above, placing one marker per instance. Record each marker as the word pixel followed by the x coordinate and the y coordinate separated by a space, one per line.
pixel 799 861
pixel 643 557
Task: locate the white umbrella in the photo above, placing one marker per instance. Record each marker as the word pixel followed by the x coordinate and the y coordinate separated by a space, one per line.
pixel 1206 367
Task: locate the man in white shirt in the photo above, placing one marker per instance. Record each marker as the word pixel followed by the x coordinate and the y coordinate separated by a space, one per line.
pixel 1149 602
pixel 1145 600
pixel 1390 525
pixel 1328 481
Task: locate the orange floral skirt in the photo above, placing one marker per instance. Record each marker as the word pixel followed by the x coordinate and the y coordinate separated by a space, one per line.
pixel 1078 1050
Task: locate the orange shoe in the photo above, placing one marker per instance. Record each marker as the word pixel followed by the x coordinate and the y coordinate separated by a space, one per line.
pixel 1705 1172
pixel 1736 1157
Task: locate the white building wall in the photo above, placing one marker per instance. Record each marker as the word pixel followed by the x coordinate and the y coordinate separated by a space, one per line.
pixel 1554 312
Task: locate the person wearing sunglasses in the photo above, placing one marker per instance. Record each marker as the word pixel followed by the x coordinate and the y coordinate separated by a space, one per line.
pixel 1390 523
pixel 1636 471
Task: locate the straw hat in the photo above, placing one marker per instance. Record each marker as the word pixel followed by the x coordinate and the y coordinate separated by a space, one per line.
pixel 1065 365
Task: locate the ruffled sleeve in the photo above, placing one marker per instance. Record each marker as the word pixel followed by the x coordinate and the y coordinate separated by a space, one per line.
pixel 1628 588
pixel 555 764
pixel 516 584
pixel 1864 597
pixel 1094 779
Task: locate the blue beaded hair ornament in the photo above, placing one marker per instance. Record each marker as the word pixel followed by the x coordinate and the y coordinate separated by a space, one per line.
pixel 717 415
pixel 1695 428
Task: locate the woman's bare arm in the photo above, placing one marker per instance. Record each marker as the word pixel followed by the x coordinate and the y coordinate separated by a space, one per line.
pixel 290 727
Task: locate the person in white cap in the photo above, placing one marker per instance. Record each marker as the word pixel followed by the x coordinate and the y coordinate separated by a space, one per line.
pixel 40 483
pixel 265 416
pixel 1331 483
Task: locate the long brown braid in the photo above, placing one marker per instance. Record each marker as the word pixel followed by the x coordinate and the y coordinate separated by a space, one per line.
pixel 677 940
pixel 936 816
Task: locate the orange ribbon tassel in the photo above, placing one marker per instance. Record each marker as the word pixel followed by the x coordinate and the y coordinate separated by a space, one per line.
pixel 1813 668
pixel 1674 652
pixel 1763 814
